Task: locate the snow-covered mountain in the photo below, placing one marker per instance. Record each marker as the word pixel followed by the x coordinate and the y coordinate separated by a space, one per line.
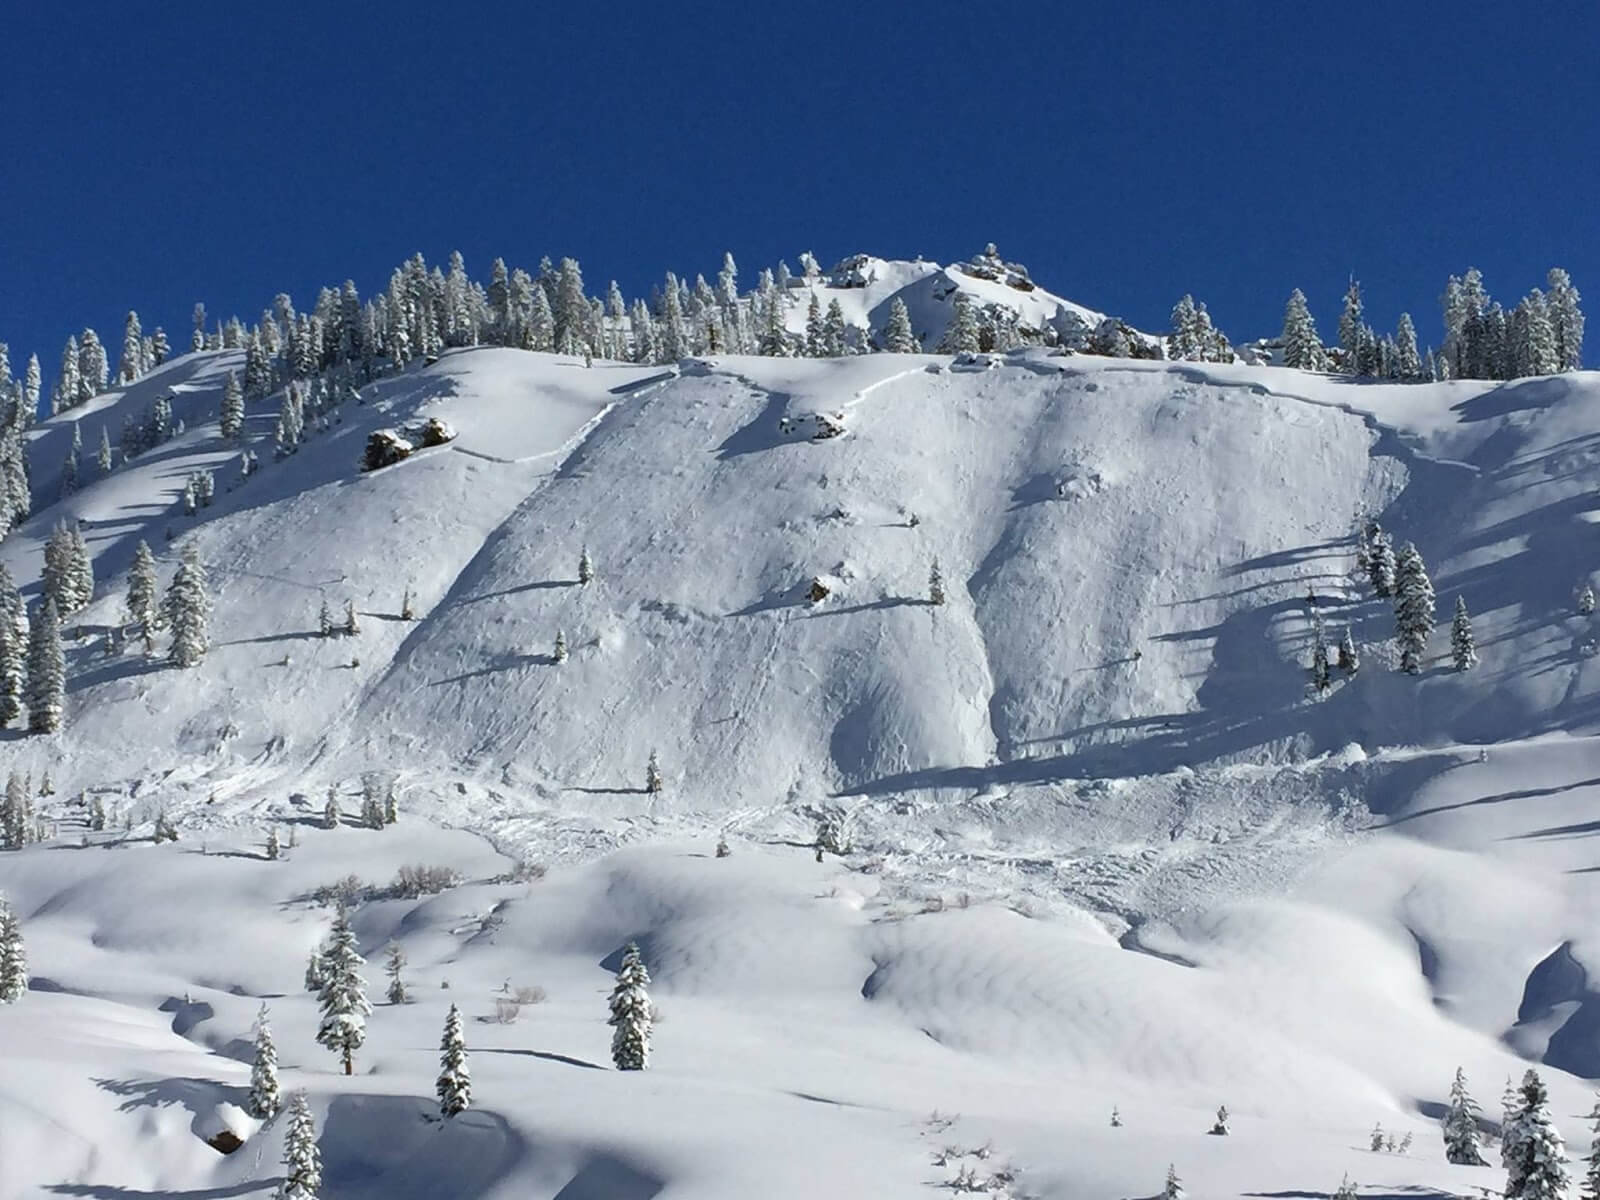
pixel 1107 848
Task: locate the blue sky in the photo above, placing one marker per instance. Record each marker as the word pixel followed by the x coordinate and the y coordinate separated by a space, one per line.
pixel 161 154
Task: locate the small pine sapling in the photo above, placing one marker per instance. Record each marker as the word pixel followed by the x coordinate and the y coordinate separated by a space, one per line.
pixel 407 612
pixel 585 567
pixel 1346 1191
pixel 1377 1138
pixel 652 774
pixel 1461 1126
pixel 454 1085
pixel 13 956
pixel 722 847
pixel 391 806
pixel 392 967
pixel 330 810
pixel 264 1099
pixel 351 625
pixel 1591 1178
pixel 1586 601
pixel 560 654
pixel 1220 1129
pixel 1116 1118
pixel 1174 1186
pixel 935 585
pixel 274 847
pixel 302 1160
pixel 343 998
pixel 632 1014
pixel 1463 649
pixel 325 620
pixel 1349 660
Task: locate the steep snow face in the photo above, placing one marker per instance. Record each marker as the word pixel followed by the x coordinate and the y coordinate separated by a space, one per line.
pixel 1127 550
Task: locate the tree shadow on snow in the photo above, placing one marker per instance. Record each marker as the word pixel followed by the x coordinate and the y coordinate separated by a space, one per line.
pixel 547 1055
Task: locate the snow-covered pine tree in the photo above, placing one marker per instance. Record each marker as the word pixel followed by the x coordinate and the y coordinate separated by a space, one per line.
pixel 132 364
pixel 1302 347
pixel 141 605
pixel 302 1160
pixel 962 334
pixel 632 1014
pixel 1183 344
pixel 93 369
pixel 1173 1189
pixel 343 997
pixel 833 330
pixel 1321 672
pixel 393 965
pixel 1591 1177
pixel 1376 1142
pixel 1346 1190
pixel 330 810
pixel 935 584
pixel 540 333
pixel 13 650
pixel 47 671
pixel 274 846
pixel 1566 319
pixel 351 626
pixel 1413 609
pixel 897 335
pixel 13 956
pixel 1408 363
pixel 1461 1126
pixel 230 421
pixel 1463 650
pixel 1351 328
pixel 1586 600
pixel 264 1099
pixel 454 1085
pixel 69 468
pixel 1533 1153
pixel 186 610
pixel 571 309
pixel 102 458
pixel 560 655
pixel 1349 660
pixel 652 774
pixel 585 567
pixel 1381 564
pixel 1220 1127
pixel 814 336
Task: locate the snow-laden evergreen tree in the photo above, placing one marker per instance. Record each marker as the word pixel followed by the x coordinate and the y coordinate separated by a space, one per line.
pixel 131 365
pixel 343 996
pixel 187 610
pixel 231 420
pixel 330 810
pixel 142 609
pixel 1183 343
pixel 1586 600
pixel 540 332
pixel 1302 347
pixel 274 846
pixel 47 671
pixel 1591 1177
pixel 1351 326
pixel 102 458
pixel 571 309
pixel 833 330
pixel 302 1160
pixel 962 334
pixel 65 393
pixel 1381 563
pixel 1376 1142
pixel 814 342
pixel 1349 660
pixel 935 584
pixel 93 370
pixel 1532 1151
pixel 32 387
pixel 1463 650
pixel 393 965
pixel 1346 1190
pixel 897 335
pixel 1321 671
pixel 61 576
pixel 632 1014
pixel 1173 1189
pixel 1408 362
pixel 454 1085
pixel 264 1099
pixel 585 566
pixel 1461 1126
pixel 652 774
pixel 561 646
pixel 351 627
pixel 1566 319
pixel 13 956
pixel 13 649
pixel 69 468
pixel 1413 609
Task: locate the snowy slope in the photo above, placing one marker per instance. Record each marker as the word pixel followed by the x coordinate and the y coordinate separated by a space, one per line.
pixel 1108 851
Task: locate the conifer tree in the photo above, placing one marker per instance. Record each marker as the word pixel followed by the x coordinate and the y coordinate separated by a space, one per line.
pixel 274 846
pixel 132 364
pixel 1533 1153
pixel 1461 1126
pixel 330 810
pixel 652 774
pixel 32 386
pixel 541 328
pixel 392 967
pixel 231 419
pixel 343 996
pixel 1463 650
pixel 1173 1190
pixel 13 650
pixel 1591 1178
pixel 1413 609
pixel 92 366
pixel 351 626
pixel 142 608
pixel 561 646
pixel 103 455
pixel 1346 1190
pixel 186 610
pixel 13 956
pixel 833 330
pixel 1586 600
pixel 935 584
pixel 264 1099
pixel 47 671
pixel 65 394
pixel 1349 660
pixel 814 338
pixel 302 1160
pixel 585 567
pixel 1302 347
pixel 1321 674
pixel 1351 327
pixel 1566 320
pixel 571 309
pixel 632 1014
pixel 454 1085
pixel 897 335
pixel 1408 363
pixel 1381 563
pixel 962 335
pixel 1182 342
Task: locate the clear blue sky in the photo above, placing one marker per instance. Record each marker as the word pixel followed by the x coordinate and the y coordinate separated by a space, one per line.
pixel 155 155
